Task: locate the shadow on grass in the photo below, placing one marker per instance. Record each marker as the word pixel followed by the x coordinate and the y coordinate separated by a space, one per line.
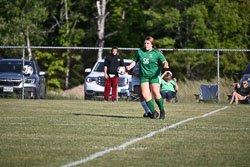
pixel 112 116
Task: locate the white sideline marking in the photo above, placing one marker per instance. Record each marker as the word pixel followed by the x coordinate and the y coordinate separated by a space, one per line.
pixel 18 123
pixel 124 145
pixel 101 125
pixel 215 128
pixel 105 125
pixel 132 148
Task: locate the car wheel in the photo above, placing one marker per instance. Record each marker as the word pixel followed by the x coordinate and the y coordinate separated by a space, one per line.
pixel 35 95
pixel 43 93
pixel 87 97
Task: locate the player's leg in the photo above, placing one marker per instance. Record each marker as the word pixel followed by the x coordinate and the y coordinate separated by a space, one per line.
pixel 155 84
pixel 146 93
pixel 158 99
pixel 138 91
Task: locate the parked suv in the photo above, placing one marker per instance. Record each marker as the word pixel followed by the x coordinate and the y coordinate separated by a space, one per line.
pixel 12 73
pixel 95 81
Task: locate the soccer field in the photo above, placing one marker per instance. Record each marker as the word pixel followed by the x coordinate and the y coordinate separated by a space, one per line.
pixel 54 133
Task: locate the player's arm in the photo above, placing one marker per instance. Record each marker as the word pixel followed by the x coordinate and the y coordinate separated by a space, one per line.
pixel 165 64
pixel 163 60
pixel 132 64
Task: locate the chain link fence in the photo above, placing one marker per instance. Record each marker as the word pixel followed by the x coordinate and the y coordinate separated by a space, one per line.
pixel 64 67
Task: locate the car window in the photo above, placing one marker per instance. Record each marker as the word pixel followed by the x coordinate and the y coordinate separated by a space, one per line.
pixel 99 67
pixel 13 66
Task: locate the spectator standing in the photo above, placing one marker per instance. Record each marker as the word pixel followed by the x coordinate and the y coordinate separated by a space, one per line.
pixel 111 64
pixel 149 73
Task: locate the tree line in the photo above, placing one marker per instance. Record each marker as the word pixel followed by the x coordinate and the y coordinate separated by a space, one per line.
pixel 203 24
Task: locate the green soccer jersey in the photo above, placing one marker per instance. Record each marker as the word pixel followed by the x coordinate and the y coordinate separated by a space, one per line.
pixel 149 62
pixel 168 86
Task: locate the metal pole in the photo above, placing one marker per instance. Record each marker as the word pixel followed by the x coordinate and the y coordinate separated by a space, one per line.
pixel 218 76
pixel 117 89
pixel 22 74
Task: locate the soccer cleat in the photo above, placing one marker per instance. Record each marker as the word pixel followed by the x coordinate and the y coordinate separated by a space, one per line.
pixel 162 115
pixel 149 114
pixel 146 115
pixel 154 115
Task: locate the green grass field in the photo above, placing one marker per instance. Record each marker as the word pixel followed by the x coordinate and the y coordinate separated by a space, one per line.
pixel 53 133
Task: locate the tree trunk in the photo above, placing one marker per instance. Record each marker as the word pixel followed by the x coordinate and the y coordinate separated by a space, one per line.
pixel 68 69
pixel 188 71
pixel 28 44
pixel 101 10
pixel 101 18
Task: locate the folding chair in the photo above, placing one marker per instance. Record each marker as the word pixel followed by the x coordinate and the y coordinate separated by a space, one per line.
pixel 208 93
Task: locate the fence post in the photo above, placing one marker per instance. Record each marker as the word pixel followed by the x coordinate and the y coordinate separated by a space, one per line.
pixel 22 73
pixel 218 76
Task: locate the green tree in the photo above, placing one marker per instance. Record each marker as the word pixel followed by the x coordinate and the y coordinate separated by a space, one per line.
pixel 229 22
pixel 134 30
pixel 65 29
pixel 22 20
pixel 201 24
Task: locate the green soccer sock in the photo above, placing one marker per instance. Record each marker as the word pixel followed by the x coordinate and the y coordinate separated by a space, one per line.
pixel 159 102
pixel 151 106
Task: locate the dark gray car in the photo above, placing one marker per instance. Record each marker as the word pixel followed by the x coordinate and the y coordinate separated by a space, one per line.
pixel 12 73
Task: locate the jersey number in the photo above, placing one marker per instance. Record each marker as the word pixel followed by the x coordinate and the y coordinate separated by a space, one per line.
pixel 145 61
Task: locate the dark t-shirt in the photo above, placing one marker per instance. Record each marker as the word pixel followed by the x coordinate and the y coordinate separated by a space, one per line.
pixel 113 62
pixel 243 91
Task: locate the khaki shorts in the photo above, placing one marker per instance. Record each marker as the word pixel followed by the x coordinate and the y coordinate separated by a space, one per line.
pixel 150 80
